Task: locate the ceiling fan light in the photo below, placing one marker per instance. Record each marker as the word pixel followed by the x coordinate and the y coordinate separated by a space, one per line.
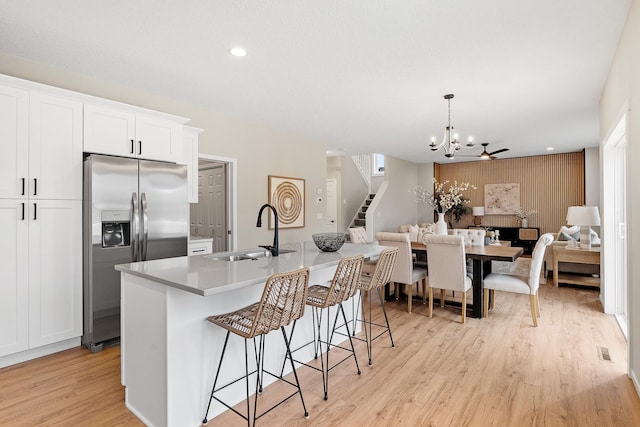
pixel 485 156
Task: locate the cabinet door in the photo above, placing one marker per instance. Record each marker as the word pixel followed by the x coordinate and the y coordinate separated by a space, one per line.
pixel 14 269
pixel 14 140
pixel 190 158
pixel 109 131
pixel 158 139
pixel 55 276
pixel 55 148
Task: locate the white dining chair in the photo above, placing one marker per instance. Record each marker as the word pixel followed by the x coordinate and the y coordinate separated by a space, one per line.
pixel 447 268
pixel 520 284
pixel 404 272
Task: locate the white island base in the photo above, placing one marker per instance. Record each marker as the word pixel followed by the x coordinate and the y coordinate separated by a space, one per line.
pixel 170 352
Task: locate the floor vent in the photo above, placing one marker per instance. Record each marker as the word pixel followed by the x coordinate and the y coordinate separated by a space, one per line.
pixel 603 353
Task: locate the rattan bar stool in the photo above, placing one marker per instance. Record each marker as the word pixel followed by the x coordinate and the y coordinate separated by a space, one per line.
pixel 376 281
pixel 283 301
pixel 343 286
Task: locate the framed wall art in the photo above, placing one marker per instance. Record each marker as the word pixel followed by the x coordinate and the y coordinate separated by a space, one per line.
pixel 287 195
pixel 501 199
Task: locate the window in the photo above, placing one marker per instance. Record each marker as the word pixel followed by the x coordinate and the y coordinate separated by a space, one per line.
pixel 378 164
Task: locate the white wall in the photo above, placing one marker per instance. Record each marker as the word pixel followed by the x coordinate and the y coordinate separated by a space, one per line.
pixel 592 176
pixel 397 205
pixel 259 150
pixel 623 88
pixel 425 178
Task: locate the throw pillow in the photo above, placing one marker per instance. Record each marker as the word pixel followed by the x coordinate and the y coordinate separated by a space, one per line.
pixel 413 232
pixel 568 233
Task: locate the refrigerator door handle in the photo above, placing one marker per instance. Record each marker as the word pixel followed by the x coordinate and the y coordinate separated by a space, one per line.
pixel 135 230
pixel 145 231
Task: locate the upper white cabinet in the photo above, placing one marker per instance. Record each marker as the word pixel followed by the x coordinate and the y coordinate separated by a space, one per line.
pixel 190 158
pixel 55 148
pixel 128 134
pixel 14 137
pixel 42 146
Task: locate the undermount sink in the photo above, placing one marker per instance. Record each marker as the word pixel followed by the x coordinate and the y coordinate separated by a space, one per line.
pixel 246 255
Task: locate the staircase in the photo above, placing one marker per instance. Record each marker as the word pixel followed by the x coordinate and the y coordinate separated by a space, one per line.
pixel 359 220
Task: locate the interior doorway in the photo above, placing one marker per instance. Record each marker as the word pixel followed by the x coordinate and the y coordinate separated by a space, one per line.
pixel 614 209
pixel 332 205
pixel 214 215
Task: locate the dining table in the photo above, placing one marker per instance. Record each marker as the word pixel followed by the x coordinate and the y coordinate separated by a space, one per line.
pixel 481 257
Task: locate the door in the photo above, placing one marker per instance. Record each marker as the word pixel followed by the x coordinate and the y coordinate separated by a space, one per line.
pixel 55 148
pixel 14 134
pixel 109 131
pixel 110 183
pixel 158 139
pixel 209 217
pixel 332 206
pixel 163 210
pixel 55 271
pixel 14 270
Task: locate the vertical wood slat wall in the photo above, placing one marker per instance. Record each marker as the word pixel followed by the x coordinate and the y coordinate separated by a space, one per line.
pixel 549 184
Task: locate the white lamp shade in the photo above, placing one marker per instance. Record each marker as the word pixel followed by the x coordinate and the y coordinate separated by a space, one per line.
pixel 583 215
pixel 478 210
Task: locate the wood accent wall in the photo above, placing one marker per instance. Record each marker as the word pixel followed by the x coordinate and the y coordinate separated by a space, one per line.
pixel 549 184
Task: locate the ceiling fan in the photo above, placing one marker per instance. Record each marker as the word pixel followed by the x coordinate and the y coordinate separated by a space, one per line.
pixel 485 155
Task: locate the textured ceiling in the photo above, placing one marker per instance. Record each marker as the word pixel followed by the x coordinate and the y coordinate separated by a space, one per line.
pixel 360 75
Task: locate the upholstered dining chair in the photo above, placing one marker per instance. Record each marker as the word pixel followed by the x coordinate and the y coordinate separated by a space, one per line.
pixel 527 285
pixel 405 272
pixel 447 268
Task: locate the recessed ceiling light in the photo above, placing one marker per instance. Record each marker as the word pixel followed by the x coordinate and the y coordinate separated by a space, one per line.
pixel 549 148
pixel 237 51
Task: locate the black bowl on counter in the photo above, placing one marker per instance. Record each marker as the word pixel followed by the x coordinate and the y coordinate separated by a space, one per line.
pixel 329 242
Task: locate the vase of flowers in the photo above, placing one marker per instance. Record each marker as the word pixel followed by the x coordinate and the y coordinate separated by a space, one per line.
pixel 451 202
pixel 523 215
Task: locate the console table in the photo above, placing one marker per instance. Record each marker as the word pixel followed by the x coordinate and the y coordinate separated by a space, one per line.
pixel 579 256
pixel 524 238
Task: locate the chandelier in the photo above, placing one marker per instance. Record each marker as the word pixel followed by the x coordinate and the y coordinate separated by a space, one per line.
pixel 450 143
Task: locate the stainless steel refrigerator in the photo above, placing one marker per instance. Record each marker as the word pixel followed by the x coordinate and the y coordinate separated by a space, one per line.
pixel 134 210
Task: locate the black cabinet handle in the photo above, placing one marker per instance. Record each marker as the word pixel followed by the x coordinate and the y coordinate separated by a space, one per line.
pixel 132 146
pixel 35 186
pixel 198 250
pixel 139 147
pixel 23 211
pixel 35 211
pixel 23 182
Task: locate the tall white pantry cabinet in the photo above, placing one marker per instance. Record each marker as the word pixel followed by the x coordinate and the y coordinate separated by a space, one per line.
pixel 41 213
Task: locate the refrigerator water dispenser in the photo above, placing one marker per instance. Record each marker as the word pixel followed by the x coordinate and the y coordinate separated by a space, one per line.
pixel 115 229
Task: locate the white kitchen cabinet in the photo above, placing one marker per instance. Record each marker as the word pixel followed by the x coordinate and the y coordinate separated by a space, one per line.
pixel 14 137
pixel 55 271
pixel 41 273
pixel 190 158
pixel 42 146
pixel 55 148
pixel 14 270
pixel 128 134
pixel 200 247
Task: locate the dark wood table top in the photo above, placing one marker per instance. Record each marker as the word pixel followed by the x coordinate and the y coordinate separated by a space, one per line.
pixel 485 253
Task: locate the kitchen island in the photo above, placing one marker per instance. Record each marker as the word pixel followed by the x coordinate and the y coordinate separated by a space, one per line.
pixel 170 352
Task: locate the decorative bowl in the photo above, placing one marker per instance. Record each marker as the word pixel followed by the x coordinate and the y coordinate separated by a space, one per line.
pixel 329 242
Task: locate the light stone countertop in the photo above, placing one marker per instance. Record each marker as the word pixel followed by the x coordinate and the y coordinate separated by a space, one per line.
pixel 204 276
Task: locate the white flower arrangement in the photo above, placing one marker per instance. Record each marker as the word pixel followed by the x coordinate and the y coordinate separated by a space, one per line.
pixel 523 213
pixel 440 200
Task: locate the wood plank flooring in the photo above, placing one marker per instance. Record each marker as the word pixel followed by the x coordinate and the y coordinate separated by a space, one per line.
pixel 498 371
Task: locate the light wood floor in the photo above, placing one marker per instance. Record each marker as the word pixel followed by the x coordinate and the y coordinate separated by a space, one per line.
pixel 498 371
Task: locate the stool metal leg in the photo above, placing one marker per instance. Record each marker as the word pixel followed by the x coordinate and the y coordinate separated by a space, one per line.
pixel 224 348
pixel 293 368
pixel 344 317
pixel 386 319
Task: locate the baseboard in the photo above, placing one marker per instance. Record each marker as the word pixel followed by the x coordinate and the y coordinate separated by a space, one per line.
pixel 37 352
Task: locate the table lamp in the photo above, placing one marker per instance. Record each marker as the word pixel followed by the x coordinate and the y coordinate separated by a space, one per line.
pixel 478 213
pixel 585 217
